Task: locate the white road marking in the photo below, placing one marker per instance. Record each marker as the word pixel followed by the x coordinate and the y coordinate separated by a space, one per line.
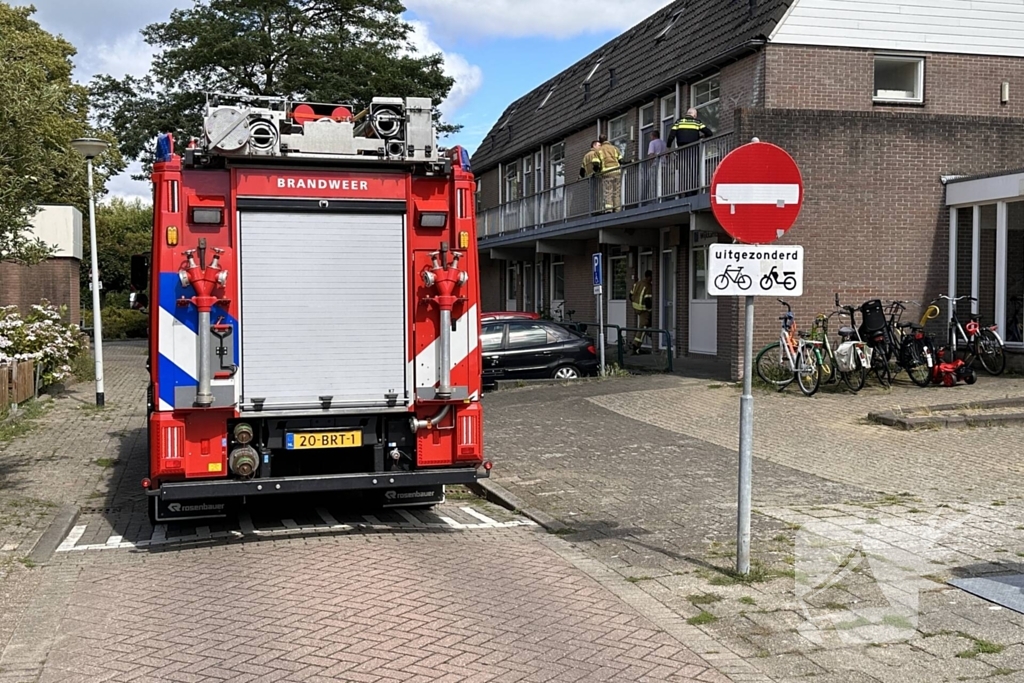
pixel 203 534
pixel 481 516
pixel 73 537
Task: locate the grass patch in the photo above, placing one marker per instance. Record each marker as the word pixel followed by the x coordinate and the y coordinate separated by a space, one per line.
pixel 834 606
pixel 638 579
pixel 873 520
pixel 859 622
pixel 701 619
pixel 716 386
pixel 998 503
pixel 1002 671
pixel 83 367
pixel 27 562
pixel 981 647
pixel 704 599
pixel 565 531
pixel 105 462
pixel 747 600
pixel 22 422
pixel 897 621
pixel 459 493
pixel 783 538
pixel 793 526
pixel 759 573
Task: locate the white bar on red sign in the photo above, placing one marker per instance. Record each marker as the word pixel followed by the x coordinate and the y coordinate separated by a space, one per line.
pixel 757 193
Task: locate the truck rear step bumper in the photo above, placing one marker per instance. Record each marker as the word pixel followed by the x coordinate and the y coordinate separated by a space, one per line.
pixel 188 490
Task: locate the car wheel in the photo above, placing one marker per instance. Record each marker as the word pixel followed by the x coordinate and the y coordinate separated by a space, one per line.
pixel 567 372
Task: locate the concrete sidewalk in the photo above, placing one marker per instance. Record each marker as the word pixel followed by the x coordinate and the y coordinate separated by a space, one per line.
pixel 856 527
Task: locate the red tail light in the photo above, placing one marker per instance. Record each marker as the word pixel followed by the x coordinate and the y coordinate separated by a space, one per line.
pixel 919 335
pixel 591 350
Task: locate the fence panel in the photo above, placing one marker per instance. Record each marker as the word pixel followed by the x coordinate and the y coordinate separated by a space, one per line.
pixel 22 381
pixel 5 388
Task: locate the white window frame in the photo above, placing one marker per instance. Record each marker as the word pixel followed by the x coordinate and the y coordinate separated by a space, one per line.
pixel 917 98
pixel 556 163
pixel 517 180
pixel 716 78
pixel 669 115
pixel 646 128
pixel 622 139
pixel 527 176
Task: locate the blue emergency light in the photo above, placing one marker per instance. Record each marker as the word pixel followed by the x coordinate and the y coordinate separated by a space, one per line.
pixel 164 147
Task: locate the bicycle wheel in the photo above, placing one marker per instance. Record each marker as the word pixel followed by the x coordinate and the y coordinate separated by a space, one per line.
pixel 856 378
pixel 990 352
pixel 808 372
pixel 880 366
pixel 914 361
pixel 773 367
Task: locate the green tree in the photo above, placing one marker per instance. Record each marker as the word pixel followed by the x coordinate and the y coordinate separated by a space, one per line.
pixel 123 229
pixel 41 111
pixel 317 50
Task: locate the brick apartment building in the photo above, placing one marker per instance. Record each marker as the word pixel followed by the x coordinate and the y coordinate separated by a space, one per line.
pixel 56 278
pixel 880 105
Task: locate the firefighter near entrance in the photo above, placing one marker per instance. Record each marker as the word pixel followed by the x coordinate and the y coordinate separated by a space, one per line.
pixel 316 278
pixel 642 299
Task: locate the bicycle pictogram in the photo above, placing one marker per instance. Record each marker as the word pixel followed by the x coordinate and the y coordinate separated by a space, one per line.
pixel 734 275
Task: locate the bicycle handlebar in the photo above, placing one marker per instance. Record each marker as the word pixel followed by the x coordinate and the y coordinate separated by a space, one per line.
pixel 959 298
pixel 789 309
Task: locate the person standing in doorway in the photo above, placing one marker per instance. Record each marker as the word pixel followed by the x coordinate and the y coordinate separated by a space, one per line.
pixel 611 174
pixel 652 166
pixel 642 298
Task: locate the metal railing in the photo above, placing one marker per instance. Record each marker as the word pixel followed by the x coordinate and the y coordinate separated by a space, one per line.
pixel 668 176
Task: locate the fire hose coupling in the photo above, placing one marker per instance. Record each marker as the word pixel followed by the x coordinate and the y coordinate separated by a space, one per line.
pixel 243 461
pixel 431 422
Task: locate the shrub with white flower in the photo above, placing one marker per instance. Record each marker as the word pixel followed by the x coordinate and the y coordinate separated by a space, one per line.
pixel 40 336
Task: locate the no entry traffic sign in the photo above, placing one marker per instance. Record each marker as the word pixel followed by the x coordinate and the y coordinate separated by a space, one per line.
pixel 757 192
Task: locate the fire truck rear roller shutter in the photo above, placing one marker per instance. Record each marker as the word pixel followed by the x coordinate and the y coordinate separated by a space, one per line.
pixel 323 308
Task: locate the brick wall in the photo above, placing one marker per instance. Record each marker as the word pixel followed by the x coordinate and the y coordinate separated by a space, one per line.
pixel 55 280
pixel 742 85
pixel 874 222
pixel 490 284
pixel 799 77
pixel 489 182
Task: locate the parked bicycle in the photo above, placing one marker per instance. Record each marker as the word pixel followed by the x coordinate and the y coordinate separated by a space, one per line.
pixel 977 342
pixel 794 356
pixel 734 275
pixel 914 352
pixel 848 362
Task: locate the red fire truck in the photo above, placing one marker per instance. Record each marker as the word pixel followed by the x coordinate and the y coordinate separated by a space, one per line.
pixel 314 308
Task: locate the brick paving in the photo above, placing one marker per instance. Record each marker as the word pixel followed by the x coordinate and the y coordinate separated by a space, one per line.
pixel 856 528
pixel 380 602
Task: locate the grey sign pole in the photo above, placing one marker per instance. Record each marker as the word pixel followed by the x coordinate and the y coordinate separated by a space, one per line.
pixel 746 445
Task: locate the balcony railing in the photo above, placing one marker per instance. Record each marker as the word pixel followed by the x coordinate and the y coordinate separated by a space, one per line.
pixel 677 173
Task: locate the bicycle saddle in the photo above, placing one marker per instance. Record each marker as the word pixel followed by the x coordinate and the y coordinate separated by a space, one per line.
pixel 846 331
pixel 913 326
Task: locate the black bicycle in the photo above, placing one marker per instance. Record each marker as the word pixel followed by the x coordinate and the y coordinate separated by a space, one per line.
pixel 973 341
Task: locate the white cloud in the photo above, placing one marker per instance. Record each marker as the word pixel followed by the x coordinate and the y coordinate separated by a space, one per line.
pixel 128 55
pixel 124 187
pixel 468 77
pixel 522 18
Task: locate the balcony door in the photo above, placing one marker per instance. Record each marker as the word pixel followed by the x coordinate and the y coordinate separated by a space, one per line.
pixel 703 306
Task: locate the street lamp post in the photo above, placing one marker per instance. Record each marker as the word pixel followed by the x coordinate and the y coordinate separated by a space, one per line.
pixel 89 148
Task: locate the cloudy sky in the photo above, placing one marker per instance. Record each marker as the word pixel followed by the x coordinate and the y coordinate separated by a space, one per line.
pixel 496 50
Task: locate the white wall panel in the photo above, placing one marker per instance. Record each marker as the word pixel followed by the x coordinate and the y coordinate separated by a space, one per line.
pixel 984 27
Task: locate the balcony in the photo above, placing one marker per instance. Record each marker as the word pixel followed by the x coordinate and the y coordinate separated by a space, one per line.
pixel 648 184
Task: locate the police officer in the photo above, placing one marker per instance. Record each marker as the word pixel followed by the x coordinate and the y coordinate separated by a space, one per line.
pixel 642 297
pixel 688 129
pixel 611 174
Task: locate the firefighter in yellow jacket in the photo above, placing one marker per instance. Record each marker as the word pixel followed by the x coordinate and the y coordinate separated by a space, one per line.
pixel 592 168
pixel 642 298
pixel 611 174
